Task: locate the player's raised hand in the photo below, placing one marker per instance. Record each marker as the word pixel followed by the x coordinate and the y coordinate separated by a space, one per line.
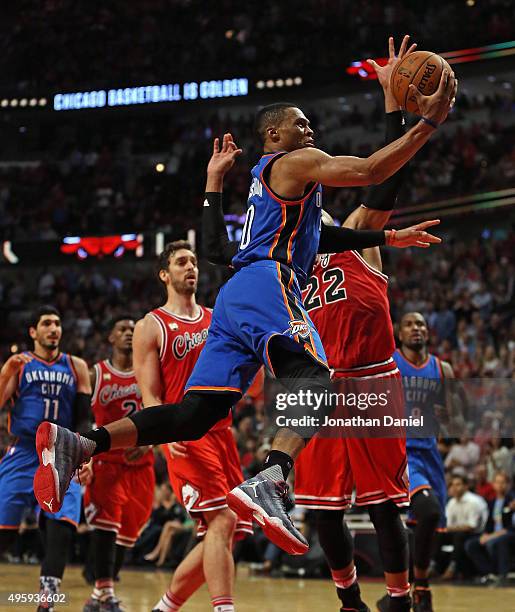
pixel 14 364
pixel 437 106
pixel 414 236
pixel 385 72
pixel 223 158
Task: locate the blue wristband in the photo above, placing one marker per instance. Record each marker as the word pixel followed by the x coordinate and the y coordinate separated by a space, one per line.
pixel 429 122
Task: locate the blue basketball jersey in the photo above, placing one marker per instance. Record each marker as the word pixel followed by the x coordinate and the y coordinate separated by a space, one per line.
pixel 46 392
pixel 423 389
pixel 278 229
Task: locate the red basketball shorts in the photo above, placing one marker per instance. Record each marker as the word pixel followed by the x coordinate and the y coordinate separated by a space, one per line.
pixel 202 480
pixel 120 499
pixel 328 470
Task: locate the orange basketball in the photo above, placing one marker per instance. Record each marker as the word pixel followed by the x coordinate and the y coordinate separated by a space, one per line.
pixel 423 69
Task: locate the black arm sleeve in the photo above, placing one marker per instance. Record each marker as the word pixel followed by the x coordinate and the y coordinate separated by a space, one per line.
pixel 216 246
pixel 82 412
pixel 339 239
pixel 384 196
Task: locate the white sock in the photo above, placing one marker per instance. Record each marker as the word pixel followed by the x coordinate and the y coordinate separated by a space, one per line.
pixel 223 604
pixel 169 603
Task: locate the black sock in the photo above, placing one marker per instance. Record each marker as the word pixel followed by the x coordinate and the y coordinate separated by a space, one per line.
pixel 119 559
pixel 351 597
pixel 422 583
pixel 101 438
pixel 281 459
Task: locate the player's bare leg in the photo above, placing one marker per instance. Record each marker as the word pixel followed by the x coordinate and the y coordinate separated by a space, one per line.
pixel 210 561
pixel 288 442
pixel 187 578
pixel 123 434
pixel 218 560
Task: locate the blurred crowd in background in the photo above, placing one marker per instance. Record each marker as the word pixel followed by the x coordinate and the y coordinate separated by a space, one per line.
pixel 60 44
pixel 104 180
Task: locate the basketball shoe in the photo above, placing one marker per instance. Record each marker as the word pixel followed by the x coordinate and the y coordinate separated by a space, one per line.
pixel 393 604
pixel 422 600
pixel 351 599
pixel 60 453
pixel 264 498
pixel 92 605
pixel 111 604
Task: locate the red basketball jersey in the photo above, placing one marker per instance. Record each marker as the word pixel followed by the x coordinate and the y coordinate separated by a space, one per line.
pixel 115 396
pixel 182 340
pixel 347 301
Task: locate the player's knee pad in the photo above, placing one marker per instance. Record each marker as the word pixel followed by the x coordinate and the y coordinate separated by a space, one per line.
pixel 426 508
pixel 188 420
pixel 391 535
pixel 427 511
pixel 335 538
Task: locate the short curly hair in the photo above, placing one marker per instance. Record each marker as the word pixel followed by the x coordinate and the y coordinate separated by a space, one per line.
pixel 169 251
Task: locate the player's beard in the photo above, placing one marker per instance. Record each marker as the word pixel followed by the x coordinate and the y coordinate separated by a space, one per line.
pixel 184 288
pixel 50 345
pixel 416 345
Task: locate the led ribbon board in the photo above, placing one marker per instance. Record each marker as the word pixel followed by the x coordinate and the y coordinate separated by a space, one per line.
pixel 151 94
pixel 95 246
pixel 364 70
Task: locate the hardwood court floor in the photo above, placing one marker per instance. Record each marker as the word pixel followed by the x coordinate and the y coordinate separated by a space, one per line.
pixel 139 590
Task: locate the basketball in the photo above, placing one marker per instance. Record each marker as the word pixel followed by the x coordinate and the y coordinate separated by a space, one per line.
pixel 423 69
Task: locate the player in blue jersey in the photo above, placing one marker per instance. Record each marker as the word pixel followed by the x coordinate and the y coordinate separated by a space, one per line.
pixel 41 385
pixel 259 317
pixel 422 376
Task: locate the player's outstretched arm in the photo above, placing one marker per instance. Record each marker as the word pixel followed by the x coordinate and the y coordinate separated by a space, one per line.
pixel 312 165
pixel 9 376
pixel 216 246
pixel 339 239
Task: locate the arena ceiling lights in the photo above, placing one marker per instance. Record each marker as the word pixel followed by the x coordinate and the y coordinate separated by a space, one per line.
pixel 284 82
pixel 22 102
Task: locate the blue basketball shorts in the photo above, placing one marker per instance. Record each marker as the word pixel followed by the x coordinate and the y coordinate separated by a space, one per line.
pixel 17 469
pixel 260 302
pixel 426 471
